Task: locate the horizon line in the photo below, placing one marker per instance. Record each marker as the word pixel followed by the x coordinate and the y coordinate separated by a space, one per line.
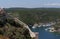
pixel 31 7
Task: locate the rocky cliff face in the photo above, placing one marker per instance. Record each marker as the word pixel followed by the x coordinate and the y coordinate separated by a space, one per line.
pixel 14 32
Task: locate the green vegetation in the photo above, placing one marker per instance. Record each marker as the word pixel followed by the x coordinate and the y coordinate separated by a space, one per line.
pixel 35 15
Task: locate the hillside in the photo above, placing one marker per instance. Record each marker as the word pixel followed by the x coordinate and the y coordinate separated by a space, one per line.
pixel 35 15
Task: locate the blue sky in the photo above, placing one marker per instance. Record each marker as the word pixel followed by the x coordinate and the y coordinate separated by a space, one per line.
pixel 29 3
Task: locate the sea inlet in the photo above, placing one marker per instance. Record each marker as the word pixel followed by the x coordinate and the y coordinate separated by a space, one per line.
pixel 43 34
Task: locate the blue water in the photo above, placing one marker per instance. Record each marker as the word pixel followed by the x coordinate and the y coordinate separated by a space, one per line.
pixel 45 34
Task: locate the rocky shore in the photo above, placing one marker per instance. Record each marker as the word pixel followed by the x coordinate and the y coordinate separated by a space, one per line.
pixel 43 24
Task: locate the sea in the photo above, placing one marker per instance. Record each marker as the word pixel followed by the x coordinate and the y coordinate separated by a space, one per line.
pixel 43 34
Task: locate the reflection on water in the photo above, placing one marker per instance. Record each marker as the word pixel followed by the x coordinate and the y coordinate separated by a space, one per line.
pixel 45 34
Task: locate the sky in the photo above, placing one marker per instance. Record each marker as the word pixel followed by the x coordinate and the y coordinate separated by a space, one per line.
pixel 30 3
